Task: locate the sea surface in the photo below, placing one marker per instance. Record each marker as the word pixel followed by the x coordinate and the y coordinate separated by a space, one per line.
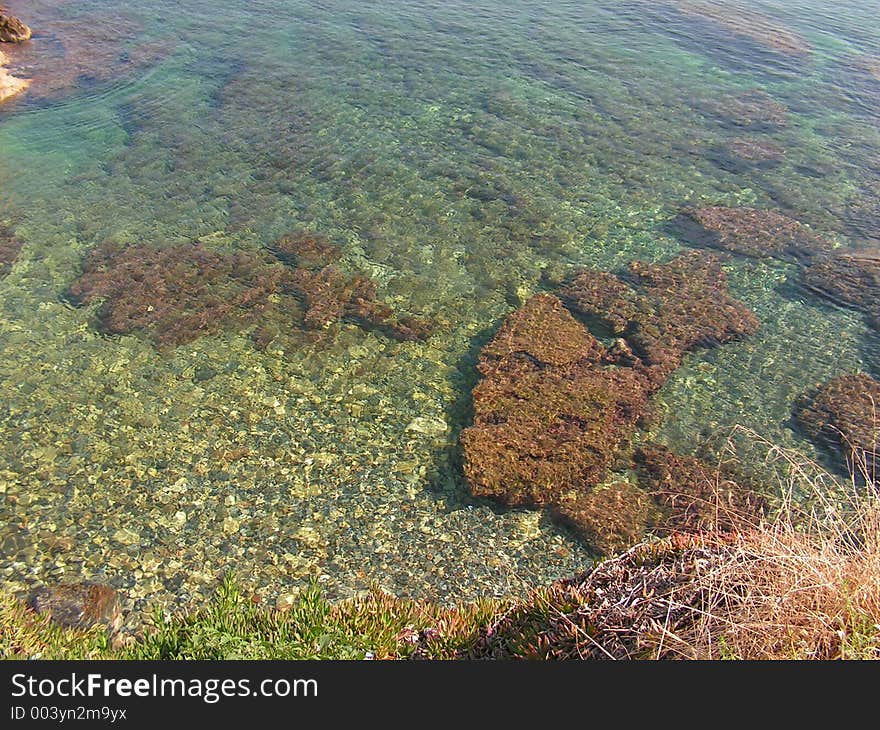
pixel 461 154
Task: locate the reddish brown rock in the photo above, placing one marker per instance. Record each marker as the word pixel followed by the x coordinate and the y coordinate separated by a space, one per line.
pixel 175 294
pixel 550 417
pixel 747 24
pixel 609 519
pixel 10 247
pixel 78 605
pixel 305 250
pixel 12 30
pixel 688 306
pixel 663 310
pixel 754 110
pixel 75 49
pixel 748 232
pixel 555 409
pixel 844 414
pixel 603 296
pixel 850 278
pixel 693 497
pixel 330 295
pixel 755 151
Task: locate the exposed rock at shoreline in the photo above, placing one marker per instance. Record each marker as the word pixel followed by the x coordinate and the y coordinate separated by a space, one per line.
pixel 10 85
pixel 73 50
pixel 844 414
pixel 78 605
pixel 12 30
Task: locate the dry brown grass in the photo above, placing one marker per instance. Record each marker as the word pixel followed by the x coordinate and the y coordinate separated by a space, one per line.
pixel 803 585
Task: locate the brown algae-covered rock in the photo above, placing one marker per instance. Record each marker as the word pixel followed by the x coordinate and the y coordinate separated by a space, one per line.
pixel 555 409
pixel 609 519
pixel 78 605
pixel 748 232
pixel 10 247
pixel 850 278
pixel 550 417
pixel 694 497
pixel 844 414
pixel 753 110
pixel 175 294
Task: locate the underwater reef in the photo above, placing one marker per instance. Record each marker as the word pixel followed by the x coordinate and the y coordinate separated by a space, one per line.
pixel 748 232
pixel 850 278
pixel 694 497
pixel 846 277
pixel 176 294
pixel 555 409
pixel 745 24
pixel 10 247
pixel 551 412
pixel 330 295
pixel 843 415
pixel 753 110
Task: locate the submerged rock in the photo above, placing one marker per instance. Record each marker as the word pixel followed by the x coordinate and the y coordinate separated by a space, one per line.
pixel 850 278
pixel 556 410
pixel 550 414
pixel 175 294
pixel 10 247
pixel 844 414
pixel 330 294
pixel 754 110
pixel 694 497
pixel 12 30
pixel 609 519
pixel 747 24
pixel 78 605
pixel 748 232
pixel 663 310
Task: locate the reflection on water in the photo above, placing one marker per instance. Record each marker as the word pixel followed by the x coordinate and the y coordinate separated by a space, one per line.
pixel 460 156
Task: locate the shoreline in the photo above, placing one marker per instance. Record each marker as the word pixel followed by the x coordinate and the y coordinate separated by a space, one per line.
pixel 10 86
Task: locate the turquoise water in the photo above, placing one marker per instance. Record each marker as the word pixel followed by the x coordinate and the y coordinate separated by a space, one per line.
pixel 457 153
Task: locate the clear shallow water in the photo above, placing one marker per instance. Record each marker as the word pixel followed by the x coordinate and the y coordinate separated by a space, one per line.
pixel 455 152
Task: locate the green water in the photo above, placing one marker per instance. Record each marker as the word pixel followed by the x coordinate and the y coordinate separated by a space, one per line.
pixel 455 151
